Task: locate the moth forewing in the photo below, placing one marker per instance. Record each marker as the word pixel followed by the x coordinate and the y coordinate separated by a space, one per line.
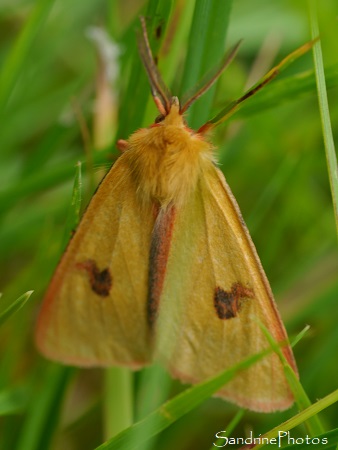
pixel 221 293
pixel 89 316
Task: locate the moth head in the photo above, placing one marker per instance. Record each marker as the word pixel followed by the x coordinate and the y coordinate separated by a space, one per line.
pixel 171 117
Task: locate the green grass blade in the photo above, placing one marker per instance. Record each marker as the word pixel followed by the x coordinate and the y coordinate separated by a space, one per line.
pixel 14 64
pixel 303 416
pixel 73 216
pixel 232 107
pixel 118 401
pixel 154 385
pixel 206 47
pixel 13 401
pixel 198 32
pixel 324 110
pixel 313 425
pixel 300 336
pixel 44 409
pixel 175 408
pixel 33 183
pixel 15 306
pixel 46 179
pixel 229 429
pixel 323 441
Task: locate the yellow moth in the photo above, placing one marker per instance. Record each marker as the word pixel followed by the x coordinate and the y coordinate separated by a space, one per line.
pixel 162 266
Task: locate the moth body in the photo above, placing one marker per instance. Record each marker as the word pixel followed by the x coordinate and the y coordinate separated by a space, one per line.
pixel 167 159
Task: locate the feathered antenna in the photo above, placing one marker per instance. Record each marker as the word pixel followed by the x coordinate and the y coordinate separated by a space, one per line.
pixel 159 90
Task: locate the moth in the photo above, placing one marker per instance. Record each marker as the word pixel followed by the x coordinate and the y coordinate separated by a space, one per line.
pixel 162 266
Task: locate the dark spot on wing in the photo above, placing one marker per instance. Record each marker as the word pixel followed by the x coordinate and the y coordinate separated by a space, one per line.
pixel 100 280
pixel 228 303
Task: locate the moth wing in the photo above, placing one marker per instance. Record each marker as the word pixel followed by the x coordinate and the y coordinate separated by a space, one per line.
pixel 94 312
pixel 215 293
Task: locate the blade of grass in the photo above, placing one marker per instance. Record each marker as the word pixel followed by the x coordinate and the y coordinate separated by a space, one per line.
pixel 229 429
pixel 324 109
pixel 198 31
pixel 35 182
pixel 232 107
pixel 73 216
pixel 175 408
pixel 301 417
pixel 266 200
pixel 208 29
pixel 300 336
pixel 332 441
pixel 118 401
pixel 154 389
pixel 177 32
pixel 44 409
pixel 13 401
pixel 14 64
pixel 313 425
pixel 15 306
